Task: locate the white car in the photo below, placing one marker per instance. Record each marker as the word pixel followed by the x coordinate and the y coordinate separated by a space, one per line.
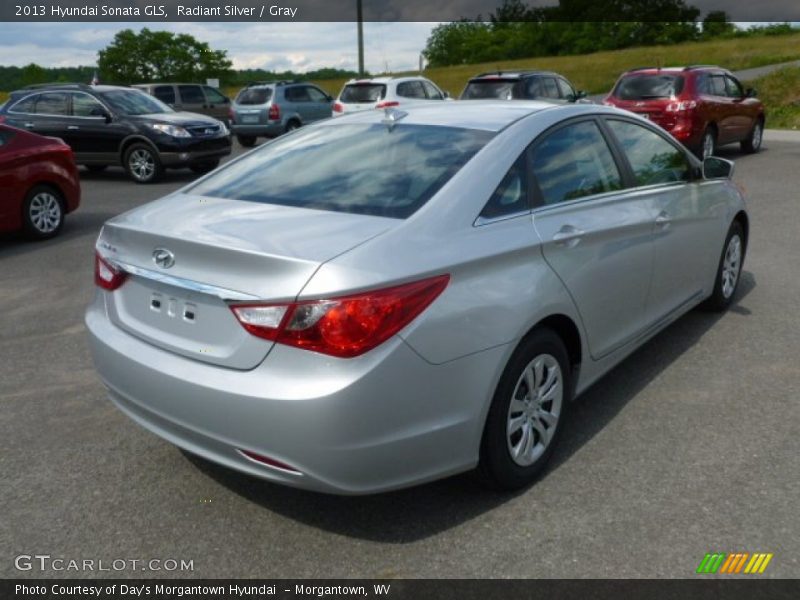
pixel 385 92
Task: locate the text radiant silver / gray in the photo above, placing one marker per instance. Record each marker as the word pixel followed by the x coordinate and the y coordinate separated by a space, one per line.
pixel 385 299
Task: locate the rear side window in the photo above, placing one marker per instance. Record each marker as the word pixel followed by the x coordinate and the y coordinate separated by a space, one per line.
pixel 432 91
pixel 254 96
pixel 511 196
pixel 363 92
pixel 165 93
pixel 191 94
pixel 84 105
pixel 645 87
pixel 653 159
pixel 297 94
pixel 478 89
pixel 411 89
pixel 364 169
pixel 572 162
pixel 54 103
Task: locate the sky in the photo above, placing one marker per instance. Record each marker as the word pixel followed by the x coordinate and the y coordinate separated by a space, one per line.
pixel 298 47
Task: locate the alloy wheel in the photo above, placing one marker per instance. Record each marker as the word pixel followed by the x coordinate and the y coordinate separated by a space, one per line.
pixel 731 266
pixel 757 136
pixel 142 164
pixel 708 145
pixel 534 410
pixel 45 212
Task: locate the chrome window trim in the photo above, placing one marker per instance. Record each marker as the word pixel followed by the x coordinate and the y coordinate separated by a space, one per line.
pixel 481 221
pixel 186 284
pixel 100 102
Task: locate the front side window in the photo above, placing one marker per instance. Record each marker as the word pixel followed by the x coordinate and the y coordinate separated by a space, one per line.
pixel 214 96
pixel 363 169
pixel 653 159
pixel 317 95
pixel 54 103
pixel 567 91
pixel 191 94
pixel 550 88
pixel 511 196
pixel 165 93
pixel 733 87
pixel 84 105
pixel 432 91
pixel 572 162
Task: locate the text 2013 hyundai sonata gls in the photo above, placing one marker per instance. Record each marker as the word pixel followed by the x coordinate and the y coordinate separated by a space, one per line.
pixel 389 298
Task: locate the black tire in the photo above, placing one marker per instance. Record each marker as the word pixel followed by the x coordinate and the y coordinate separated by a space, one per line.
pixel 142 163
pixel 204 167
pixel 43 212
pixel 723 295
pixel 292 125
pixel 709 137
pixel 753 142
pixel 96 168
pixel 497 468
pixel 248 141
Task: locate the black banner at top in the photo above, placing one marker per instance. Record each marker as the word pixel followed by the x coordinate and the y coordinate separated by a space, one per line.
pixel 386 10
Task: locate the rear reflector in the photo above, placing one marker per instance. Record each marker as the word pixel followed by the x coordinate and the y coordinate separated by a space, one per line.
pixel 337 107
pixel 106 275
pixel 270 462
pixel 387 104
pixel 343 327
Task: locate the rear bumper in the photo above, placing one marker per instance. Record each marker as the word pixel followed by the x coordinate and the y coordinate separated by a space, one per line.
pixel 378 422
pixel 273 129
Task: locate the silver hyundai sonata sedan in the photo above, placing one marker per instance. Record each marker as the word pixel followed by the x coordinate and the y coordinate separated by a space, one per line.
pixel 389 298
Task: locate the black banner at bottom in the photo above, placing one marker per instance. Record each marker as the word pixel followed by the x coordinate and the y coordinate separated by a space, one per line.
pixel 402 589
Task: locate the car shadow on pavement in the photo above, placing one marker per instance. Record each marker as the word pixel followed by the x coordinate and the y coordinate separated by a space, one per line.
pixel 76 225
pixel 412 514
pixel 114 174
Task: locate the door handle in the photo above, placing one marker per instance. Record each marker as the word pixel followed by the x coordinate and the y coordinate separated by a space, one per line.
pixel 73 127
pixel 663 220
pixel 568 236
pixel 29 125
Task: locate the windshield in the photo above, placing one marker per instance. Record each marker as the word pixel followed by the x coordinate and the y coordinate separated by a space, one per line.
pixel 363 92
pixel 254 96
pixel 480 89
pixel 134 102
pixel 364 169
pixel 643 87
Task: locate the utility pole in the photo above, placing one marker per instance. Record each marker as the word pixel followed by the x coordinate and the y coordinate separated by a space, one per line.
pixel 360 16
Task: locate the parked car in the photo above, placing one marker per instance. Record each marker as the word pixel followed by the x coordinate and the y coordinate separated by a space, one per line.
pixel 109 125
pixel 522 85
pixel 39 180
pixel 396 296
pixel 270 108
pixel 702 106
pixel 385 92
pixel 191 97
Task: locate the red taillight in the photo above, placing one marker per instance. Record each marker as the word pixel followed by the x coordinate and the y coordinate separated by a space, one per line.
pixel 681 106
pixel 387 104
pixel 274 112
pixel 337 107
pixel 106 275
pixel 231 115
pixel 342 327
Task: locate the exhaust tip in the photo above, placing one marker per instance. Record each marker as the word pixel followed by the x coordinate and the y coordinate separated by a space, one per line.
pixel 270 462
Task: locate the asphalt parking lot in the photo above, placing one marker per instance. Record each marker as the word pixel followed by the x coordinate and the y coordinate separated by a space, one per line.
pixel 690 446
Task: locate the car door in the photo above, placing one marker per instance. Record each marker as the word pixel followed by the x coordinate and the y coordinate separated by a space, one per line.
pixel 94 135
pixel 300 102
pixel 723 109
pixel 217 103
pixel 191 99
pixel 743 112
pixel 322 103
pixel 46 114
pixel 596 235
pixel 686 219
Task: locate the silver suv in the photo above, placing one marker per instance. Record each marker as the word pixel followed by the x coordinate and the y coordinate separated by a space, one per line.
pixel 268 109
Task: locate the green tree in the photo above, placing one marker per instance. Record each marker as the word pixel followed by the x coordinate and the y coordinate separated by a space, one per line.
pixel 159 56
pixel 32 74
pixel 716 24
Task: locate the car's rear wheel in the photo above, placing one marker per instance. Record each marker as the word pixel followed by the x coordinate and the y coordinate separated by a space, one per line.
pixel 43 212
pixel 527 412
pixel 96 168
pixel 248 141
pixel 205 167
pixel 753 143
pixel 292 125
pixel 143 164
pixel 708 144
pixel 729 270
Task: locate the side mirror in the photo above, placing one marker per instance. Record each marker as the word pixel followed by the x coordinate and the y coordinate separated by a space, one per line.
pixel 717 168
pixel 101 113
pixel 750 93
pixel 330 98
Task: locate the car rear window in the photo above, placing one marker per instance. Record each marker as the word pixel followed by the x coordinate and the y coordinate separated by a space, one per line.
pixel 644 87
pixel 364 169
pixel 254 96
pixel 362 92
pixel 489 88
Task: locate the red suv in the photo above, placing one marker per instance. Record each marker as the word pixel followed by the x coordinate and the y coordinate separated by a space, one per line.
pixel 703 107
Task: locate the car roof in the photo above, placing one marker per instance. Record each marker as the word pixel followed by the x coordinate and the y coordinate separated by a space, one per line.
pixel 513 74
pixel 384 80
pixel 674 70
pixel 489 115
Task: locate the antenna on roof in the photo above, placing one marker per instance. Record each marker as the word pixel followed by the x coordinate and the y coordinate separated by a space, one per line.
pixel 391 116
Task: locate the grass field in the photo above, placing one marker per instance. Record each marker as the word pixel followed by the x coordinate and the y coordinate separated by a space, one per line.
pixel 780 92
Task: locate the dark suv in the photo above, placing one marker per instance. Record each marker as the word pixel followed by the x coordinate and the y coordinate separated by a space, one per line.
pixel 110 125
pixel 522 85
pixel 702 106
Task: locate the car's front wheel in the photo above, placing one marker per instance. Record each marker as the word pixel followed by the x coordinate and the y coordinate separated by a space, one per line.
pixel 527 412
pixel 248 141
pixel 729 270
pixel 143 164
pixel 43 212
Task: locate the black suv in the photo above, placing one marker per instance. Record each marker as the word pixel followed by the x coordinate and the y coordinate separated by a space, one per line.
pixel 109 125
pixel 522 85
